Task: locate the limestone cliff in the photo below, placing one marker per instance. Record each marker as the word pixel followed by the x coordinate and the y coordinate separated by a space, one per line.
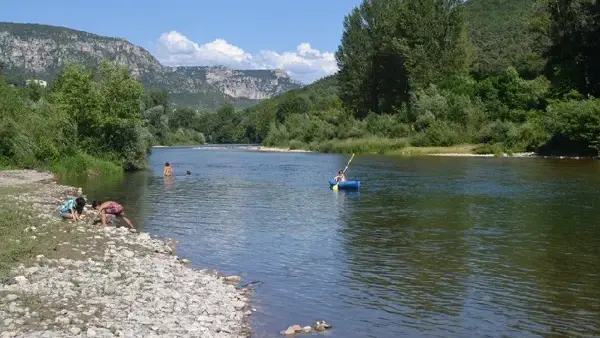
pixel 40 51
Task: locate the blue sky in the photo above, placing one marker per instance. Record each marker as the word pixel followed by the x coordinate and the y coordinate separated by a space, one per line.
pixel 298 36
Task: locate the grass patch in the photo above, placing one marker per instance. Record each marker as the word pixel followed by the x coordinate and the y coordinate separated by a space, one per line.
pixel 81 165
pixel 375 145
pixel 18 245
pixel 457 149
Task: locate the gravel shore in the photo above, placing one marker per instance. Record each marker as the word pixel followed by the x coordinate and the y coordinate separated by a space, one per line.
pixel 105 281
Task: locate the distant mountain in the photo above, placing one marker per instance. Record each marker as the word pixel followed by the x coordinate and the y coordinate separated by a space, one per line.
pixel 40 51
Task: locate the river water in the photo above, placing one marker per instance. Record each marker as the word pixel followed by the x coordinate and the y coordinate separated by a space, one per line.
pixel 429 247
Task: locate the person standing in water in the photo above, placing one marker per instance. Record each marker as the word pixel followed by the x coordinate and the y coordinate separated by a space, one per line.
pixel 167 170
pixel 111 208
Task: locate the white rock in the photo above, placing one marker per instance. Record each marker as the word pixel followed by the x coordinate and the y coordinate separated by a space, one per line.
pixel 114 274
pixel 75 330
pixel 144 236
pixel 233 279
pixel 62 320
pixel 128 253
pixel 11 297
pixel 90 332
pixel 32 270
pixel 21 280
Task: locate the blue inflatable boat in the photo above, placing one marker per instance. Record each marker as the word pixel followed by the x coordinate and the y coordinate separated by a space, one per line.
pixel 345 185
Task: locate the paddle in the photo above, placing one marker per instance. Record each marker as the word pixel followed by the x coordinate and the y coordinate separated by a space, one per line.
pixel 335 187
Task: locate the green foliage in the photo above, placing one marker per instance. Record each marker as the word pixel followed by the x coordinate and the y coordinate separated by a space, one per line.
pixel 389 48
pixel 439 133
pixel 404 75
pixel 575 127
pixel 363 145
pixel 499 31
pixel 434 73
pixel 573 29
pixel 81 164
pixel 86 123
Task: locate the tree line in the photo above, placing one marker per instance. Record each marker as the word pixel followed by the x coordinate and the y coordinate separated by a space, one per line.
pixel 89 120
pixel 408 76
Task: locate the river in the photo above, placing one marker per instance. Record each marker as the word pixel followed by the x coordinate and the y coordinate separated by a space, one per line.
pixel 429 247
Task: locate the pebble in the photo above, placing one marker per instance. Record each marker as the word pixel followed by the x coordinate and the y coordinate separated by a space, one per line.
pixel 233 279
pixel 21 280
pixel 62 320
pixel 128 253
pixel 121 288
pixel 11 298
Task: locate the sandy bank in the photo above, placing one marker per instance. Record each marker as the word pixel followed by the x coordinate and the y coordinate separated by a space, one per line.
pixel 16 177
pixel 252 148
pixel 483 155
pixel 274 149
pixel 99 281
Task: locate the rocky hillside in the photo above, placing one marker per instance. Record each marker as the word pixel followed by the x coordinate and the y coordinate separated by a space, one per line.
pixel 40 51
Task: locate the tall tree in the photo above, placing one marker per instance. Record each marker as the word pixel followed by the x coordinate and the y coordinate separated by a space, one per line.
pixel 354 57
pixel 573 29
pixel 390 47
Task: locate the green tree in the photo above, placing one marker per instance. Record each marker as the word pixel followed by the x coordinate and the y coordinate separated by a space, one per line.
pixel 390 47
pixel 573 29
pixel 76 93
pixel 120 122
pixel 182 118
pixel 292 104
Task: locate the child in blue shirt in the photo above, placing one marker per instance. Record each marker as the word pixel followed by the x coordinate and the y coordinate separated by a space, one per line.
pixel 72 208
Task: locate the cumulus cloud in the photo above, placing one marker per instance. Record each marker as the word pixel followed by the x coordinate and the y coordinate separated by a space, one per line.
pixel 305 64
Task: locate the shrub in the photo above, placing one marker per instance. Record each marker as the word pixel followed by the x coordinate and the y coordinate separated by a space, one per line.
pixel 439 133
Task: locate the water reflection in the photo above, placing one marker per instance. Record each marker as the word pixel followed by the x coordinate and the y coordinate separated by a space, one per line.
pixel 434 247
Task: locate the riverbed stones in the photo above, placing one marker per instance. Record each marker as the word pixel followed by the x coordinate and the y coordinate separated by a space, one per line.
pixel 11 298
pixel 233 279
pixel 126 285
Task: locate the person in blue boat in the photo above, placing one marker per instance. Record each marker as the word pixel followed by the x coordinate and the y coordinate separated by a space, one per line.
pixel 340 176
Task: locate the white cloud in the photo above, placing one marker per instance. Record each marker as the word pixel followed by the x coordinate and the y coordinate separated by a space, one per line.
pixel 304 64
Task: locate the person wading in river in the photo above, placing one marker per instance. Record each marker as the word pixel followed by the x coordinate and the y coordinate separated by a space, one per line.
pixel 167 170
pixel 111 208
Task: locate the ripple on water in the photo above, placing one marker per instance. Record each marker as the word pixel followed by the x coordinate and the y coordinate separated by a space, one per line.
pixel 430 247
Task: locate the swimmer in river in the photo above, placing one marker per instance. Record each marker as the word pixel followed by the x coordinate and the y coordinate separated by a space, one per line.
pixel 167 170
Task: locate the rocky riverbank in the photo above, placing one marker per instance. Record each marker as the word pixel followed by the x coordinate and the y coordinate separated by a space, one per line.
pixel 94 281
